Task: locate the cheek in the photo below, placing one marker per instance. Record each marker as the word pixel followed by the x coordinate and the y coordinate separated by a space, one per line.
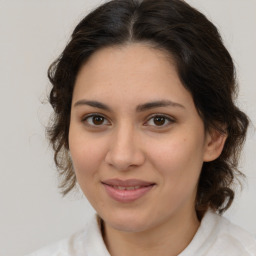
pixel 86 163
pixel 86 154
pixel 180 159
pixel 179 166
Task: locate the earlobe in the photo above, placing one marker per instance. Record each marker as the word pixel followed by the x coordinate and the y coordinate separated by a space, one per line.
pixel 215 142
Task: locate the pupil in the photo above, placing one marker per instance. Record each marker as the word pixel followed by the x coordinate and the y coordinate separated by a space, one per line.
pixel 98 120
pixel 159 120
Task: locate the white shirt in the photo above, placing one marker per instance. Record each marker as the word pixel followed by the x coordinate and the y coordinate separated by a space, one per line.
pixel 216 236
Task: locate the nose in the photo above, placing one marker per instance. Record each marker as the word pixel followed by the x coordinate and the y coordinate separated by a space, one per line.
pixel 125 149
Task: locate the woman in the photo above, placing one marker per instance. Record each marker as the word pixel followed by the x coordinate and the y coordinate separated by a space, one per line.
pixel 145 123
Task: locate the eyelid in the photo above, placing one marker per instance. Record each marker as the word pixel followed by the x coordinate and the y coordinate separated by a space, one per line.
pixel 167 117
pixel 85 117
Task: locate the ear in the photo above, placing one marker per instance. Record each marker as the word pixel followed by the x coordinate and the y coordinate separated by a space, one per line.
pixel 214 144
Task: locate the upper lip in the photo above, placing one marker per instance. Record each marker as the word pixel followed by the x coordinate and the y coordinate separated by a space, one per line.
pixel 127 183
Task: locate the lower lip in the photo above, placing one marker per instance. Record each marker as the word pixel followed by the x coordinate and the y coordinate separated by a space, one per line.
pixel 126 196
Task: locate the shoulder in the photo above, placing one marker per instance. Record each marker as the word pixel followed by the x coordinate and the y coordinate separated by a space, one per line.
pixel 233 236
pixel 85 242
pixel 66 247
pixel 218 236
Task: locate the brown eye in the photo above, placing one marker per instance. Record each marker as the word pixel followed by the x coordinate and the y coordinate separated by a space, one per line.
pixel 159 120
pixel 98 120
pixel 95 120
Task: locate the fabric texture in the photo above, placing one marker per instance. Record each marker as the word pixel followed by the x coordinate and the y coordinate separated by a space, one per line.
pixel 216 236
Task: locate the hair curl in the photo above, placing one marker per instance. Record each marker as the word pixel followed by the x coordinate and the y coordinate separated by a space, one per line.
pixel 204 66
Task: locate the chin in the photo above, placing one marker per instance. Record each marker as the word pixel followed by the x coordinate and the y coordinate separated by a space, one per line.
pixel 129 227
pixel 128 222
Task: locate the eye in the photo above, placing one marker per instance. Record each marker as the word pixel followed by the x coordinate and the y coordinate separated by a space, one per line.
pixel 160 121
pixel 95 120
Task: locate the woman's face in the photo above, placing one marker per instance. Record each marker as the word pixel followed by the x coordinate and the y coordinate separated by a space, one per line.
pixel 136 140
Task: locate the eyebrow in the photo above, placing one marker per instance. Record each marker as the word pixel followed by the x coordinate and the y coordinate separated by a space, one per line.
pixel 157 104
pixel 139 108
pixel 93 103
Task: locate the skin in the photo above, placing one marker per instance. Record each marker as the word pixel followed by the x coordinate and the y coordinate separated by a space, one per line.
pixel 125 143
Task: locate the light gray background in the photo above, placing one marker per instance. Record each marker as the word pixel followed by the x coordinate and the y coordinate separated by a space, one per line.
pixel 32 34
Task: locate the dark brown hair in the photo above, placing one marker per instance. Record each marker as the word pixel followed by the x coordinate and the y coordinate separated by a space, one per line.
pixel 203 64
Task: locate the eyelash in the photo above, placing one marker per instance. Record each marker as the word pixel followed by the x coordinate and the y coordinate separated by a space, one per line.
pixel 85 119
pixel 166 118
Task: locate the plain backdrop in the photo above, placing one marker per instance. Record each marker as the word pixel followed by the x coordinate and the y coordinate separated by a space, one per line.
pixel 32 34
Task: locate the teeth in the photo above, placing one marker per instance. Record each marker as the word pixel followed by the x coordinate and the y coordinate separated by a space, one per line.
pixel 132 188
pixel 118 187
pixel 126 188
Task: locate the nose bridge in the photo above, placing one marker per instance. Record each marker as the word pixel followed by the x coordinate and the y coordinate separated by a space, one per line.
pixel 126 139
pixel 125 148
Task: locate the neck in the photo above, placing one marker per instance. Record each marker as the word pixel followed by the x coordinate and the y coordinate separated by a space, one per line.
pixel 167 239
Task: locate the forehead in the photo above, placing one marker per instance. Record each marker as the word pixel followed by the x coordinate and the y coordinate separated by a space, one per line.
pixel 130 61
pixel 130 72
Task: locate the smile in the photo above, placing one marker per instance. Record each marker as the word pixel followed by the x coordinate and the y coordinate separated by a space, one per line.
pixel 126 188
pixel 126 191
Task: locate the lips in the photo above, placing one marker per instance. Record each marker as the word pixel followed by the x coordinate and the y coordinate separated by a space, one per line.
pixel 127 190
